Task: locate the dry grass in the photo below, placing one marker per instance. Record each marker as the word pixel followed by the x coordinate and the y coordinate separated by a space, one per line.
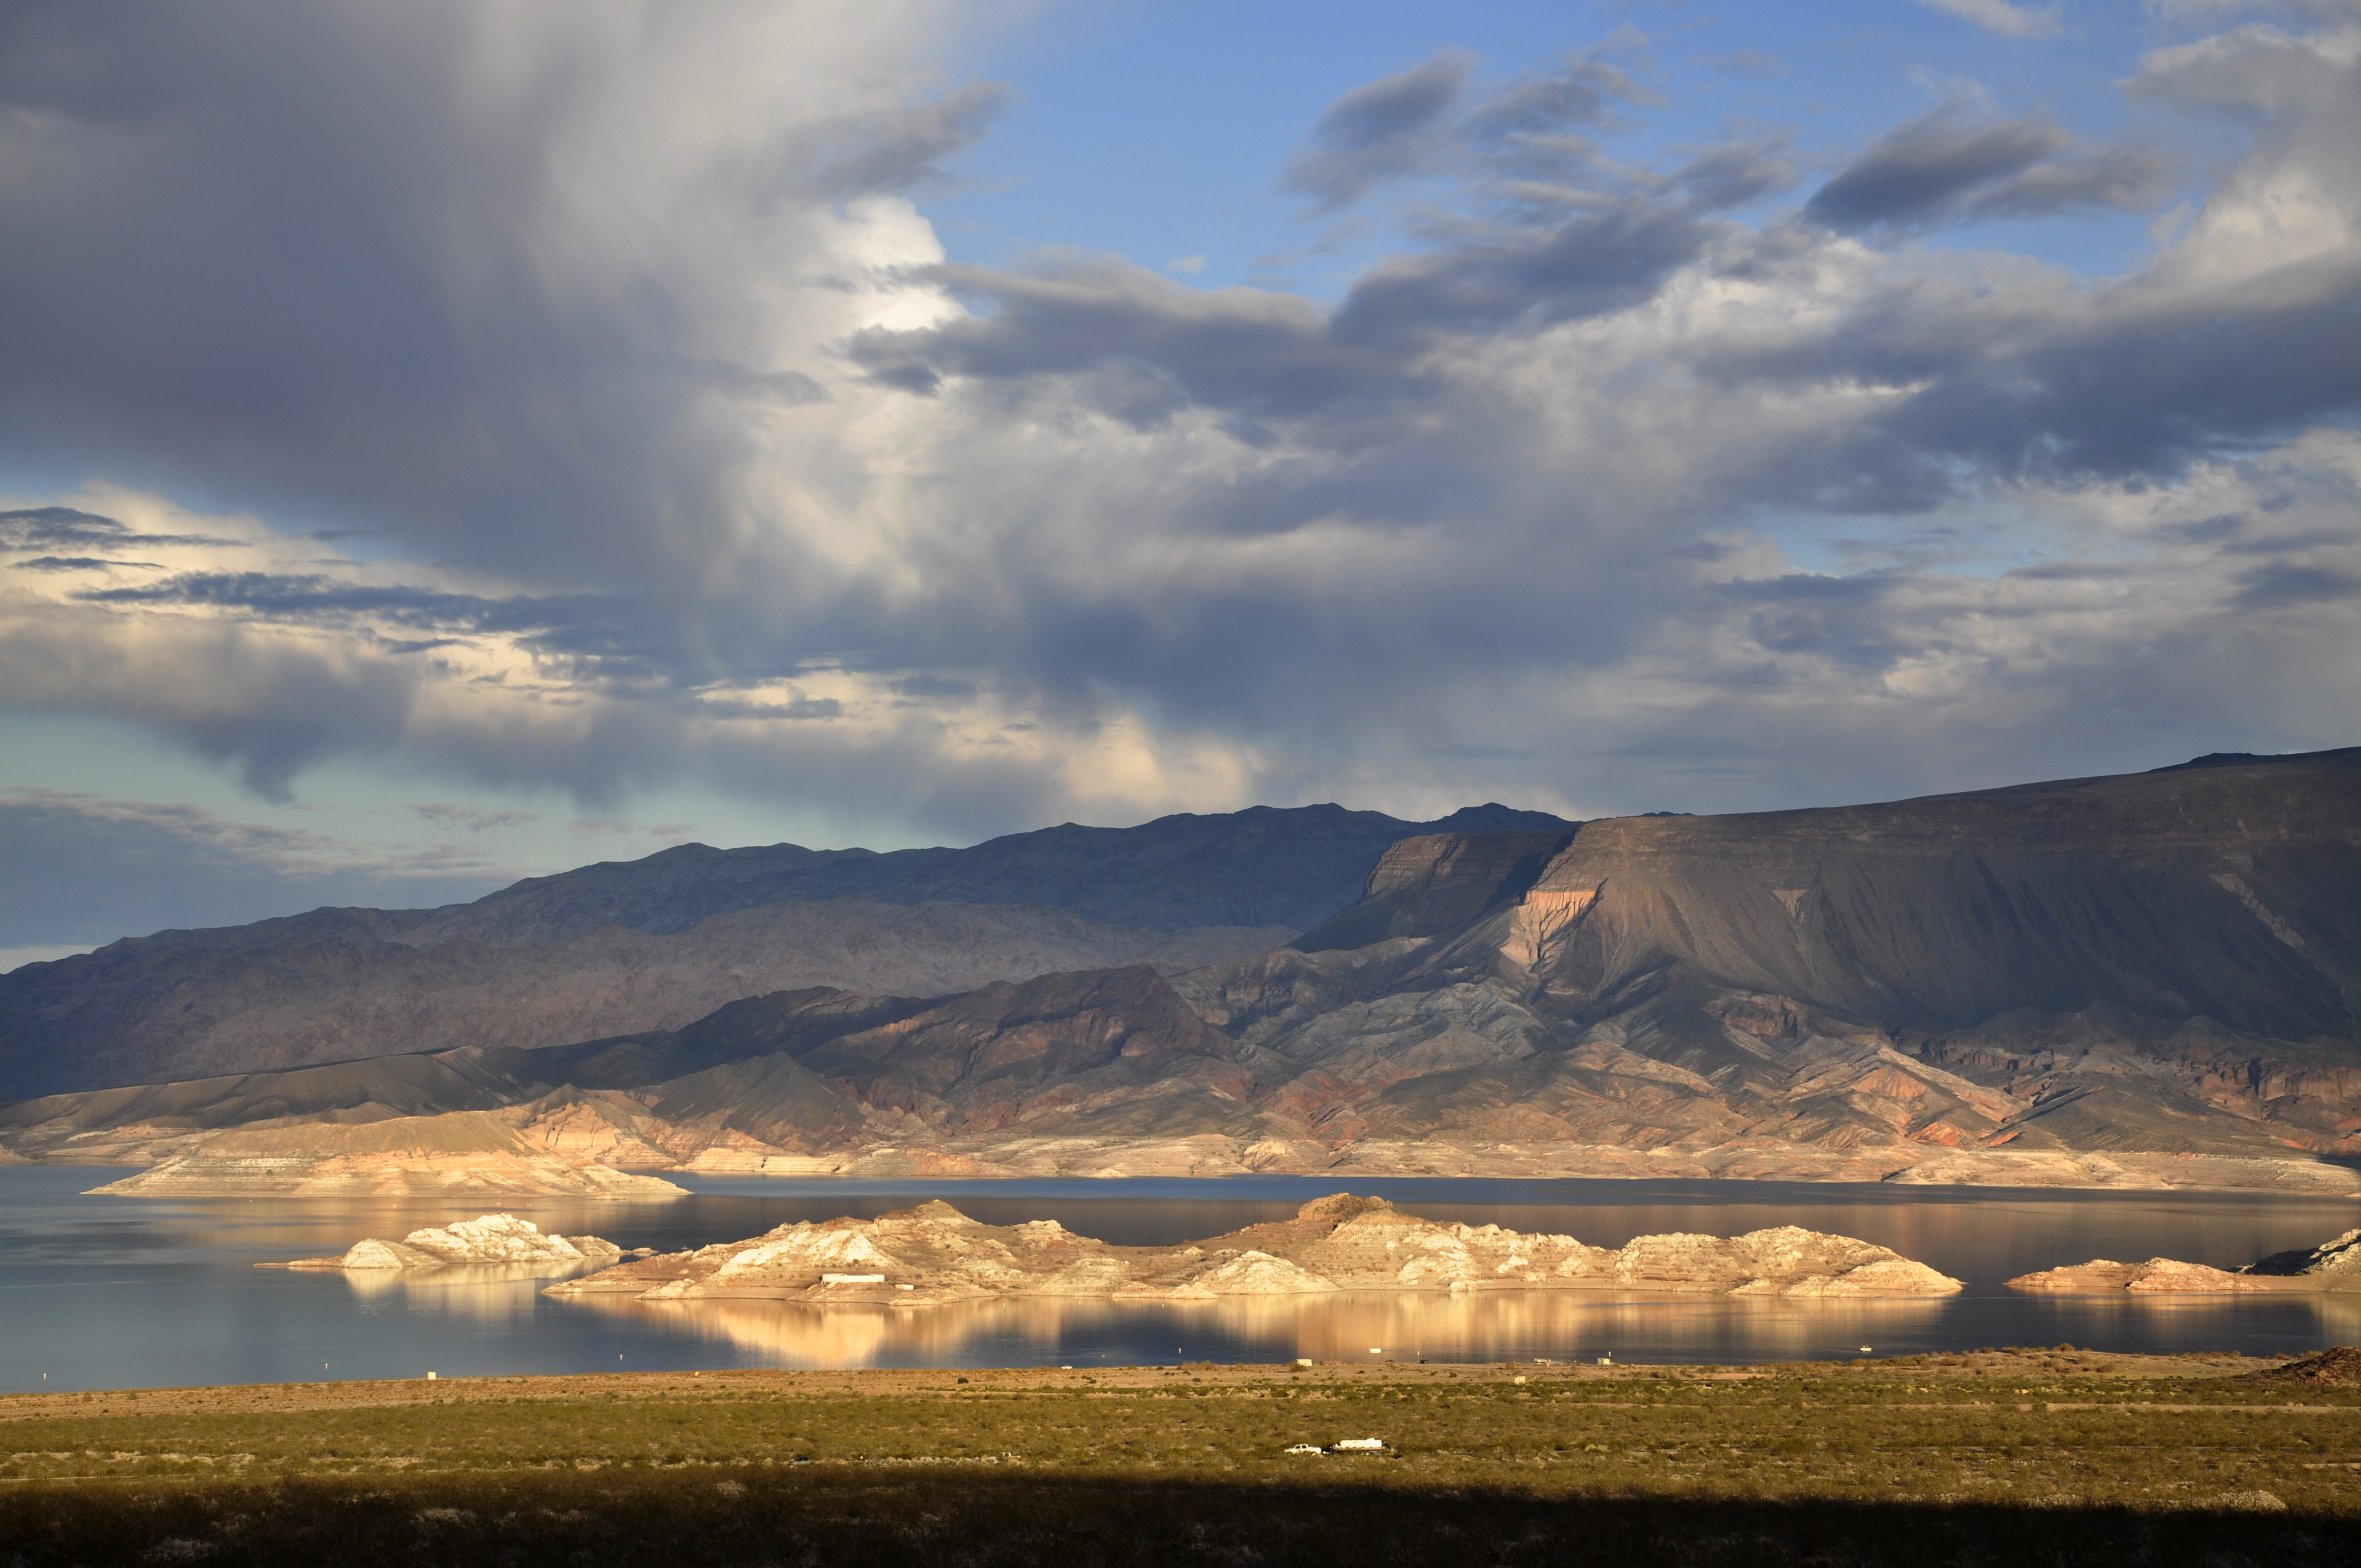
pixel 2000 1457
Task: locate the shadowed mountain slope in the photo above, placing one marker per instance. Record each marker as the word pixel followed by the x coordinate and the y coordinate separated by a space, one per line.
pixel 160 1010
pixel 654 944
pixel 2231 892
pixel 1263 866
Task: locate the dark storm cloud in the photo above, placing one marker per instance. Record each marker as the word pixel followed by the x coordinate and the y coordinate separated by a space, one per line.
pixel 1152 346
pixel 1604 260
pixel 1538 126
pixel 1535 126
pixel 1378 132
pixel 1847 619
pixel 50 527
pixel 2144 392
pixel 2281 585
pixel 325 601
pixel 1735 174
pixel 1952 167
pixel 329 256
pixel 678 454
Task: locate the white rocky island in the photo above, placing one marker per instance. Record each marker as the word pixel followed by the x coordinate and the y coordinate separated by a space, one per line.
pixel 2334 1264
pixel 490 1238
pixel 935 1254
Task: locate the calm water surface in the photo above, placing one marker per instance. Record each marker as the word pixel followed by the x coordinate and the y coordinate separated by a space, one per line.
pixel 113 1292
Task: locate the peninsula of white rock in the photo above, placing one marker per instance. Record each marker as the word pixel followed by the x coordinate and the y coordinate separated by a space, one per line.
pixel 468 1152
pixel 490 1238
pixel 2334 1264
pixel 935 1254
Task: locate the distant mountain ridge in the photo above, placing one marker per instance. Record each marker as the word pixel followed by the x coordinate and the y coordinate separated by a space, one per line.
pixel 654 943
pixel 1263 866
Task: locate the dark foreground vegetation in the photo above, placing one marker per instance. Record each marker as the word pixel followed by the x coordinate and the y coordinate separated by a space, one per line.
pixel 1995 1457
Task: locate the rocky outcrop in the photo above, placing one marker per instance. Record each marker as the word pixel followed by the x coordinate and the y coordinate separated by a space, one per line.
pixel 1438 882
pixel 2157 1276
pixel 490 1238
pixel 2338 1367
pixel 935 1254
pixel 2332 1265
pixel 2335 1262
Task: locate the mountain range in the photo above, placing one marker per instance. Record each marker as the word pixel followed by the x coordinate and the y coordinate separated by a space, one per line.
pixel 655 943
pixel 2150 978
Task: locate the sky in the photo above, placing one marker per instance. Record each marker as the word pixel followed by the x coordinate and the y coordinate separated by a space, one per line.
pixel 456 441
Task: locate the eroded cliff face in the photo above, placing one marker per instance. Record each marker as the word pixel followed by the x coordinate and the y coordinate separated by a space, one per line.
pixel 2230 893
pixel 935 1254
pixel 2165 963
pixel 1439 882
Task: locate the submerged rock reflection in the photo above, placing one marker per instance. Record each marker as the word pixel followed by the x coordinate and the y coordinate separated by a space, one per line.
pixel 1492 1326
pixel 483 1294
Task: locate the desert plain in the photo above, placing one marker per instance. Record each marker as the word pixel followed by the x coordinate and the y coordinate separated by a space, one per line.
pixel 1993 1456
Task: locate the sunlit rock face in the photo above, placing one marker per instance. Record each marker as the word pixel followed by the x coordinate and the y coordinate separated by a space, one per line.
pixel 933 1254
pixel 469 1153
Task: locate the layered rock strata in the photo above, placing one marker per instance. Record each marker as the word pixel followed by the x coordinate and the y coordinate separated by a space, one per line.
pixel 934 1253
pixel 489 1238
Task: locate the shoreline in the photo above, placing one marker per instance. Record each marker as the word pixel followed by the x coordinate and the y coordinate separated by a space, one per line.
pixel 2116 1173
pixel 1962 1369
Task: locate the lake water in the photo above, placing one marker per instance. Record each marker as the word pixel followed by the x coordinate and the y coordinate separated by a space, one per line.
pixel 112 1292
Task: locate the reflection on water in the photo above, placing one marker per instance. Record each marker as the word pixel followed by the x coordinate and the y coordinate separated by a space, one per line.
pixel 101 1292
pixel 1484 1327
pixel 1492 1326
pixel 477 1294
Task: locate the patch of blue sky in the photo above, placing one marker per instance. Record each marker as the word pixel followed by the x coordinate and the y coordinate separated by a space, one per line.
pixel 1989 542
pixel 1161 134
